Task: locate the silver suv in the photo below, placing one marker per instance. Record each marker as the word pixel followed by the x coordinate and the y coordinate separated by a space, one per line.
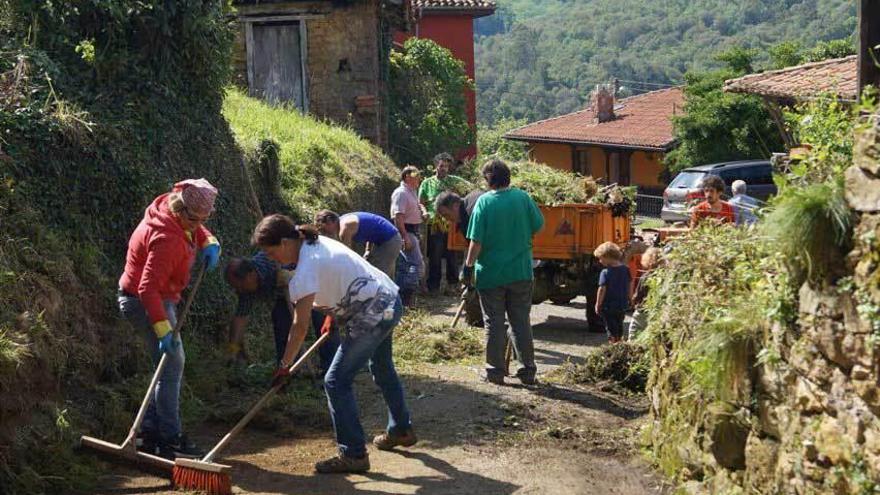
pixel 684 191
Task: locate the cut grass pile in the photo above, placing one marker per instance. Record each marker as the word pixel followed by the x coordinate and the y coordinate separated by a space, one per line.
pixel 421 338
pixel 621 367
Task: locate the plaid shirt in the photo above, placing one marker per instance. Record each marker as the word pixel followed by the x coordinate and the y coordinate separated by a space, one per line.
pixel 268 288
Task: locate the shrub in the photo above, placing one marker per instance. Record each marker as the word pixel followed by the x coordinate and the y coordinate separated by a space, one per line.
pixel 427 106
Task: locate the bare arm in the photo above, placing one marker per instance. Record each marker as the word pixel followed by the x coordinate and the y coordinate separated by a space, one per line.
pixel 301 319
pixel 600 298
pixel 473 253
pixel 347 231
pixel 401 227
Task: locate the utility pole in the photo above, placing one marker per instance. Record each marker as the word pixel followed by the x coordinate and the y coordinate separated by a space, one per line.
pixel 869 44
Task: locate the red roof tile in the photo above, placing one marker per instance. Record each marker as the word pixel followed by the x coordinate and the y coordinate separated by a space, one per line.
pixel 487 6
pixel 641 122
pixel 836 75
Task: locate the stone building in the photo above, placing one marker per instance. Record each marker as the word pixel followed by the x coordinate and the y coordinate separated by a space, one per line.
pixel 328 58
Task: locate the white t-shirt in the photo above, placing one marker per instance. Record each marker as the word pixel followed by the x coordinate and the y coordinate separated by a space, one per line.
pixel 359 293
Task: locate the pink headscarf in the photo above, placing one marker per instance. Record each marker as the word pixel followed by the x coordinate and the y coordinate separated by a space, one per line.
pixel 198 195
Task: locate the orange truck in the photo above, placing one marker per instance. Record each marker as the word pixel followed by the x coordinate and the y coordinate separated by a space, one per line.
pixel 564 265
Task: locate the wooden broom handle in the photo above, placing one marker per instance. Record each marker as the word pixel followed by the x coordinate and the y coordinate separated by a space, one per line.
pixel 262 402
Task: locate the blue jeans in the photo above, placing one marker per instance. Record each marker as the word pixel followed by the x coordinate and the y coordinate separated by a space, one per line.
pixel 162 420
pixel 373 347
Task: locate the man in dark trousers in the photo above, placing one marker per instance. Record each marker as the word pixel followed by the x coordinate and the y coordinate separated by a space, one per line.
pixel 437 228
pixel 499 263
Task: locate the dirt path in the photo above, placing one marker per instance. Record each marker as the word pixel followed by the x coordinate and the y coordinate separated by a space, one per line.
pixel 475 437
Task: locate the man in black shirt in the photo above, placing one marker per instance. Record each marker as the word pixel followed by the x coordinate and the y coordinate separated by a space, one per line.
pixel 455 209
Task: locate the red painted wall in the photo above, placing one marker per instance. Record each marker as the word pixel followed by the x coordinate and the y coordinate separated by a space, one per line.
pixel 456 33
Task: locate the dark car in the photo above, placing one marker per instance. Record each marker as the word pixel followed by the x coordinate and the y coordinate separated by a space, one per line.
pixel 684 191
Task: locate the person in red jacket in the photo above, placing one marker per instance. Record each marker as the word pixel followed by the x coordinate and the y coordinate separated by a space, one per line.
pixel 161 252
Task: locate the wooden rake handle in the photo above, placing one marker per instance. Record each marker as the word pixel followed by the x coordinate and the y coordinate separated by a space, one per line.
pixel 464 295
pixel 262 402
pixel 129 442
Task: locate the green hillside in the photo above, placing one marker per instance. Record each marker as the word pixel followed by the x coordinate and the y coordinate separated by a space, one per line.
pixel 538 59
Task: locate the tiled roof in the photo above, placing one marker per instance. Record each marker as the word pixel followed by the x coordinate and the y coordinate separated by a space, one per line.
pixel 457 5
pixel 836 75
pixel 641 122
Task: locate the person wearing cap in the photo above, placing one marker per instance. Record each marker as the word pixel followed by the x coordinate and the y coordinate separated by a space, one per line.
pixel 161 252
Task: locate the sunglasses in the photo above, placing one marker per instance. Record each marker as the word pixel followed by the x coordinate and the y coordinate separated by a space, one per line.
pixel 194 218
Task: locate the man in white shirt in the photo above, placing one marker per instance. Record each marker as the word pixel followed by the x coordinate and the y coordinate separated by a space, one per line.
pixel 407 216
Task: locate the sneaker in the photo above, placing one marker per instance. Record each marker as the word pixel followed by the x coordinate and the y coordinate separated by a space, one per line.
pixel 343 464
pixel 147 443
pixel 181 447
pixel 387 441
pixel 528 380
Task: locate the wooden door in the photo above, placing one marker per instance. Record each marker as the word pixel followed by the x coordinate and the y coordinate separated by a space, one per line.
pixel 276 63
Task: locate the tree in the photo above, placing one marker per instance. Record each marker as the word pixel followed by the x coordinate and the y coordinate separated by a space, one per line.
pixel 427 108
pixel 718 126
pixel 491 142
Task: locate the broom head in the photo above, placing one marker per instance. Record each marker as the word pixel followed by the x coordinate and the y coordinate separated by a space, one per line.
pixel 189 474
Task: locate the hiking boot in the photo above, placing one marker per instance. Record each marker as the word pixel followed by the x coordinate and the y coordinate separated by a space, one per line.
pixel 343 464
pixel 181 447
pixel 387 441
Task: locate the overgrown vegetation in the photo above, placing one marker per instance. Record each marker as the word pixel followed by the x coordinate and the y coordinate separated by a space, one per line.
pixel 724 303
pixel 304 165
pixel 103 106
pixel 427 113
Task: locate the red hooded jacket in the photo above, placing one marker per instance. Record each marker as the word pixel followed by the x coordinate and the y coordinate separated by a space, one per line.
pixel 160 255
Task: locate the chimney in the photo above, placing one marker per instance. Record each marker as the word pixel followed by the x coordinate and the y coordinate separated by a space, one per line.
pixel 602 101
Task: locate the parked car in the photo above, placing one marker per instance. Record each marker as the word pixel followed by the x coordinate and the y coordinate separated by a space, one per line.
pixel 684 191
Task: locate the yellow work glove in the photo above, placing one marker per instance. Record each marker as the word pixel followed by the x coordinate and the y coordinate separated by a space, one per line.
pixel 165 336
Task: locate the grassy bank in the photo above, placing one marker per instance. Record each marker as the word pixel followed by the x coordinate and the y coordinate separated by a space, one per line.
pixel 305 163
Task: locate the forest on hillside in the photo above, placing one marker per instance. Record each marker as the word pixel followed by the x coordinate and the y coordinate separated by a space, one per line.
pixel 539 59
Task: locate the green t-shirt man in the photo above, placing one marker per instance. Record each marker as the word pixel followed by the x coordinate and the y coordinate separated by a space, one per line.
pixel 503 222
pixel 432 186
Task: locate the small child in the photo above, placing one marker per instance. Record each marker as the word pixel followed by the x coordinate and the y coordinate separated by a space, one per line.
pixel 650 260
pixel 615 290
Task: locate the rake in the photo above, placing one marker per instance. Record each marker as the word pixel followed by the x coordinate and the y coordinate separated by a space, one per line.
pixel 128 448
pixel 207 476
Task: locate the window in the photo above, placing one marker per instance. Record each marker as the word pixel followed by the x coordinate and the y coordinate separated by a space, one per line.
pixel 758 175
pixel 581 162
pixel 730 175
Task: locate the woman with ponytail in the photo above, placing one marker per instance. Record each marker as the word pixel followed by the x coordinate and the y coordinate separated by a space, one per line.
pixel 364 302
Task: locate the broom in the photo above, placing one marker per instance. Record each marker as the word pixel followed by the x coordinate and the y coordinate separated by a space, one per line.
pixel 128 449
pixel 206 476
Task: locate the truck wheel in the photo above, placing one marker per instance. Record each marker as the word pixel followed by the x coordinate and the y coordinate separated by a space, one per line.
pixel 561 299
pixel 473 313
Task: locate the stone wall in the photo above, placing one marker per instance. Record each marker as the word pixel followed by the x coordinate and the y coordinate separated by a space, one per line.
pixel 346 83
pixel 808 419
